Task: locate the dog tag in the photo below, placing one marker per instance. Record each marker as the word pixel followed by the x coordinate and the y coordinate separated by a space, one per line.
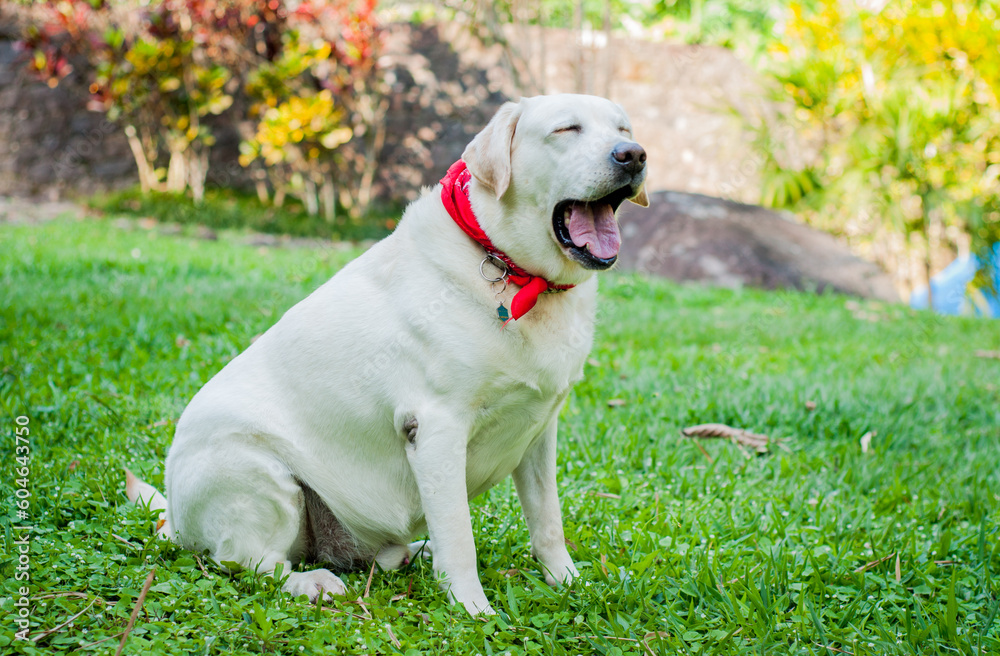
pixel 502 312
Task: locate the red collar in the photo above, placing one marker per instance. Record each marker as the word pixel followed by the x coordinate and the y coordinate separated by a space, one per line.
pixel 455 196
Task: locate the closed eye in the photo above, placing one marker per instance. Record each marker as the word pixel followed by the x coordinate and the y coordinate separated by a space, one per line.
pixel 568 128
pixel 625 130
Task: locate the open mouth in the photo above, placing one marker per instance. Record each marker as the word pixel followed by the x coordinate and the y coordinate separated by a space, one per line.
pixel 588 230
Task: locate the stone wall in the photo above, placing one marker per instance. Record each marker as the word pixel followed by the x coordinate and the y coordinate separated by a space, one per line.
pixel 445 85
pixel 52 146
pixel 49 143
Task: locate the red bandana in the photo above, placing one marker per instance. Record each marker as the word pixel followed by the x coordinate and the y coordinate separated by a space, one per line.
pixel 455 196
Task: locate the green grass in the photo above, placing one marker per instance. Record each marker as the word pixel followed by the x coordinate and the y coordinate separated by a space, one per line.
pixel 107 332
pixel 226 208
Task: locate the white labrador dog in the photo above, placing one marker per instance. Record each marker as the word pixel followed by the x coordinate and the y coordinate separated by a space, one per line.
pixel 379 405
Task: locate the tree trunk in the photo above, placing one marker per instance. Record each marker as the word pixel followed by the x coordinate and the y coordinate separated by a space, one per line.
pixel 260 182
pixel 376 128
pixel 928 271
pixel 578 32
pixel 928 229
pixel 328 198
pixel 176 170
pixel 309 196
pixel 543 70
pixel 197 171
pixel 147 178
pixel 609 60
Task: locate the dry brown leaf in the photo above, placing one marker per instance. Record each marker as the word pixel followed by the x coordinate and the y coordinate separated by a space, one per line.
pixel 135 610
pixel 654 634
pixel 874 563
pixel 68 593
pixel 615 403
pixel 704 452
pixel 810 405
pixel 711 430
pixel 755 441
pixel 392 636
pixel 993 355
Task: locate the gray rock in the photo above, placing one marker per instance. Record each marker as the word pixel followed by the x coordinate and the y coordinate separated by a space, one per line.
pixel 700 238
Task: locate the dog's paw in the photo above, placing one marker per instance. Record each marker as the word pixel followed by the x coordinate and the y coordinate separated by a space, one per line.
pixel 560 570
pixel 313 584
pixel 474 609
pixel 565 576
pixel 393 556
pixel 468 591
pixel 475 604
pixel 421 548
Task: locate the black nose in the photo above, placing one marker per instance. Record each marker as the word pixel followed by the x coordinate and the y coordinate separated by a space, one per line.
pixel 630 156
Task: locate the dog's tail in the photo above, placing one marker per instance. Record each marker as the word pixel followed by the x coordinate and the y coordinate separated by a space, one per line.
pixel 143 494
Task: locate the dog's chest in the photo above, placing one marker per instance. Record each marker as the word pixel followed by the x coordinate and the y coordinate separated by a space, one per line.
pixel 505 426
pixel 514 406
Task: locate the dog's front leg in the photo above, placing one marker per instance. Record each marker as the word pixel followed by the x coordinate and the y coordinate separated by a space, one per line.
pixel 437 451
pixel 535 479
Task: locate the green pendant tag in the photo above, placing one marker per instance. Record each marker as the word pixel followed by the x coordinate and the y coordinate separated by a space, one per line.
pixel 502 313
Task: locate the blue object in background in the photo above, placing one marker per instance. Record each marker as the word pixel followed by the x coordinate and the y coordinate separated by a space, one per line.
pixel 951 285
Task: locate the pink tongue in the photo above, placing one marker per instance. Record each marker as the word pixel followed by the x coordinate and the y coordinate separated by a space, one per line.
pixel 595 227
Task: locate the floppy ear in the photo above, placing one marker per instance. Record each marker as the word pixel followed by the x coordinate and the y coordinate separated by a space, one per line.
pixel 641 199
pixel 488 155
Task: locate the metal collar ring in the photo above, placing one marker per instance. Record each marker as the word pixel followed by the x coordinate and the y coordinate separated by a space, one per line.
pixel 498 263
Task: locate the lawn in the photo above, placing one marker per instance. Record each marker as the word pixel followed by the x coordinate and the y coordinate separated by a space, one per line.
pixel 870 527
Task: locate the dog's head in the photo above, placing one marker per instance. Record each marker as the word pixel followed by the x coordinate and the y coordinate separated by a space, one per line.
pixel 553 171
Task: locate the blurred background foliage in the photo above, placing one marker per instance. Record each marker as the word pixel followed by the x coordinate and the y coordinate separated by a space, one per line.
pixel 897 108
pixel 300 80
pixel 894 104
